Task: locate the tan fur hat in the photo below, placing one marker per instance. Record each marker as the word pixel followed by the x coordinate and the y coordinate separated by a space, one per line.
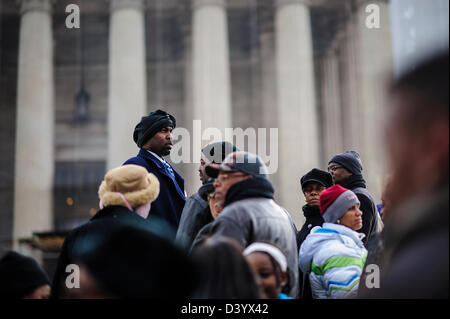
pixel 133 182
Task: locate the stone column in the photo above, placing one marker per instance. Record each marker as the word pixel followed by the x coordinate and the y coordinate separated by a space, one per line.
pixel 374 72
pixel 210 70
pixel 127 78
pixel 297 119
pixel 332 116
pixel 210 65
pixel 34 161
pixel 366 64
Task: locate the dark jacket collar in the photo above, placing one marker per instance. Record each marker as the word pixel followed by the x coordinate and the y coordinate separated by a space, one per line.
pixel 353 182
pixel 113 211
pixel 155 162
pixel 252 187
pixel 151 157
pixel 311 211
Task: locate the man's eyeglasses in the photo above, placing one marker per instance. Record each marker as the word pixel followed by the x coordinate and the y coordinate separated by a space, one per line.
pixel 333 168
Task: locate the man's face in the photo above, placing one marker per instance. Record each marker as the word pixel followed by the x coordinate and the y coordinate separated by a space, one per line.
pixel 201 170
pixel 224 181
pixel 312 192
pixel 338 172
pixel 161 142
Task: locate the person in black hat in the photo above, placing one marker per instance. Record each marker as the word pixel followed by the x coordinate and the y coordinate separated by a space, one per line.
pixel 196 213
pixel 346 170
pixel 313 183
pixel 249 211
pixel 153 135
pixel 22 278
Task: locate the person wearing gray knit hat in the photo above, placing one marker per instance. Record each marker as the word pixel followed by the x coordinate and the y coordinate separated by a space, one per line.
pixel 350 160
pixel 346 170
pixel 333 255
pixel 335 202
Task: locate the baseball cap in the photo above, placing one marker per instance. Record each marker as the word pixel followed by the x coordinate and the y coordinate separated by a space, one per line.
pixel 245 162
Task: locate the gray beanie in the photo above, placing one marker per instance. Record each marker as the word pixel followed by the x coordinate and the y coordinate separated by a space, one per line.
pixel 350 160
pixel 216 152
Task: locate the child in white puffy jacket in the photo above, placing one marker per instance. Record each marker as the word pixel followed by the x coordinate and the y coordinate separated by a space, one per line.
pixel 333 255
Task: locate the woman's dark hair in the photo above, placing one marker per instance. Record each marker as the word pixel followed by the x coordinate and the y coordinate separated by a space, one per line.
pixel 225 274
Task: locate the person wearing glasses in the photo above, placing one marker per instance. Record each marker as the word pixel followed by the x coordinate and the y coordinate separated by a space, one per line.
pixel 346 170
pixel 249 212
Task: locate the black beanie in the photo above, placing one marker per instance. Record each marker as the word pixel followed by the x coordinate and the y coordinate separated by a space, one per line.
pixel 216 152
pixel 150 125
pixel 350 160
pixel 20 275
pixel 318 176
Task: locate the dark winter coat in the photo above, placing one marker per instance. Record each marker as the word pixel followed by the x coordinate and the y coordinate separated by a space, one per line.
pixel 313 218
pixel 250 214
pixel 171 199
pixel 357 184
pixel 196 214
pixel 97 231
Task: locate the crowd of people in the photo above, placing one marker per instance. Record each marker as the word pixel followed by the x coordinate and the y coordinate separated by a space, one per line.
pixel 231 239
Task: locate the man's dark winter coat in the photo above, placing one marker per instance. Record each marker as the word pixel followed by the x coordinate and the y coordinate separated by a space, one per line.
pixel 196 214
pixel 357 184
pixel 171 199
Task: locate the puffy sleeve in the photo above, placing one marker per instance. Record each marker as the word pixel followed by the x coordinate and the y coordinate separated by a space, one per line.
pixel 341 276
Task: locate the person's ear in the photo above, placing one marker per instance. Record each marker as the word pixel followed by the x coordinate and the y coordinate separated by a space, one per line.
pixel 283 279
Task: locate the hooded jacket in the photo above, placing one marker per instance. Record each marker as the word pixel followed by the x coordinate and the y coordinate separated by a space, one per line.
pixel 250 215
pixel 334 256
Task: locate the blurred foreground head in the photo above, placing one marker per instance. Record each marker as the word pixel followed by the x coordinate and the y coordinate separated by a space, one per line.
pixel 134 263
pixel 21 277
pixel 417 133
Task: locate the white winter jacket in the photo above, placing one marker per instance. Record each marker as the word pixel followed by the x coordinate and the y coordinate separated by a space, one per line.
pixel 333 255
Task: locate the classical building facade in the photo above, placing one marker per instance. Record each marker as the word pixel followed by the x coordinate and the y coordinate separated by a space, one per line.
pixel 70 97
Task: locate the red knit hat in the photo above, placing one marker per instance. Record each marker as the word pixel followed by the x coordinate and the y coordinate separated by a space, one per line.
pixel 335 201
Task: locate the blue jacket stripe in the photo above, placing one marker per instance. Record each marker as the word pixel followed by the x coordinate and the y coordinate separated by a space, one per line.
pixel 341 283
